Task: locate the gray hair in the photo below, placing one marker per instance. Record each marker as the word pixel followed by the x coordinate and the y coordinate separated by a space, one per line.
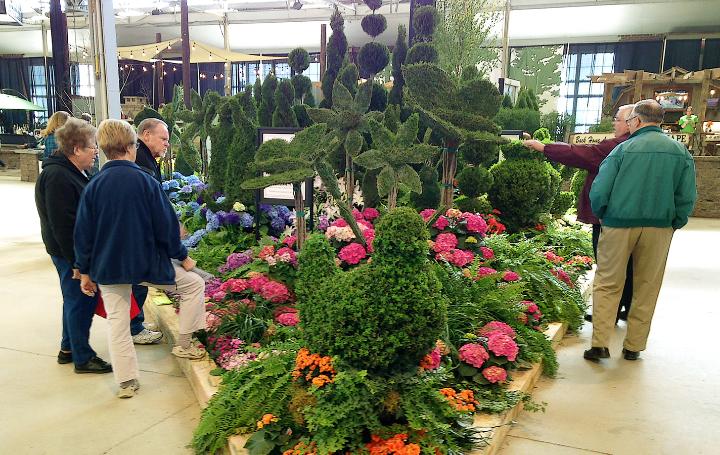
pixel 624 107
pixel 649 111
pixel 149 124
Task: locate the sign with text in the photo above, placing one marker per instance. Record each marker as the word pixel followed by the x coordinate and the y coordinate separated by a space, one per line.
pixel 596 138
pixel 281 194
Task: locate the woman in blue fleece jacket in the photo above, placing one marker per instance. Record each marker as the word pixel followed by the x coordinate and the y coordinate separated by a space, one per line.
pixel 126 233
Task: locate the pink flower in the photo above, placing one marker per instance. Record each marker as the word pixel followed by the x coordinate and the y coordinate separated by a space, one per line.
pixel 257 281
pixel 275 292
pixel 496 326
pixel 485 271
pixel 552 257
pixel 509 275
pixel 237 284
pixel 562 275
pixel 431 361
pixel 369 235
pixel 213 321
pixel 494 374
pixel 285 254
pixel 339 223
pixel 219 296
pixel 365 224
pixel 523 318
pixel 502 345
pixel 427 214
pixel 530 306
pixel 357 215
pixel 441 223
pixel 445 242
pixel 487 253
pixel 370 213
pixel 473 354
pixel 353 253
pixel 475 223
pixel 290 240
pixel 266 251
pixel 288 319
pixel 458 258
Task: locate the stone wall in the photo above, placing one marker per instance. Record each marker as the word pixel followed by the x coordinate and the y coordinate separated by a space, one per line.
pixel 707 172
pixel 24 159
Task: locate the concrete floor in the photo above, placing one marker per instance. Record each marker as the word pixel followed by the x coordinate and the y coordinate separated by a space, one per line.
pixel 666 403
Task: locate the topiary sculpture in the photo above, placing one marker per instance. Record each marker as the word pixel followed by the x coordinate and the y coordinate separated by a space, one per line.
pixel 474 181
pixel 399 55
pixel 379 99
pixel 267 105
pixel 197 123
pixel 393 154
pixel 396 297
pixel 430 196
pixel 373 56
pixel 348 76
pixel 336 50
pixel 238 114
pixel 298 60
pixel 284 116
pixel 562 202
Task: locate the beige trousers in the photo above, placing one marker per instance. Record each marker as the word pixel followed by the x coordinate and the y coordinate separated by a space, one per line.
pixel 116 297
pixel 649 248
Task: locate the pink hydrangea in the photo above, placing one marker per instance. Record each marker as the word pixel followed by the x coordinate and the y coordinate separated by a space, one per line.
pixel 530 306
pixel 288 319
pixel 257 281
pixel 496 326
pixel 339 223
pixel 502 345
pixel 441 223
pixel 523 318
pixel 218 296
pixel 352 254
pixel 236 285
pixel 357 214
pixel 370 213
pixel 473 354
pixel 458 258
pixel 365 225
pixel 213 321
pixel 286 254
pixel 369 235
pixel 494 374
pixel 485 271
pixel 552 257
pixel 509 275
pixel 487 253
pixel 290 240
pixel 427 214
pixel 274 292
pixel 475 223
pixel 445 242
pixel 562 275
pixel 432 360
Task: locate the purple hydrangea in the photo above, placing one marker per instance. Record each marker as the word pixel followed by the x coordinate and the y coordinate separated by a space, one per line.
pixel 236 260
pixel 232 218
pixel 246 220
pixel 278 223
pixel 213 222
pixel 323 222
pixel 186 189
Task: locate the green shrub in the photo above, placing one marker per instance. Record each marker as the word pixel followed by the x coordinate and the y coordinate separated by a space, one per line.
pixel 382 317
pixel 302 116
pixel 577 182
pixel 187 160
pixel 605 126
pixel 507 102
pixel 302 86
pixel 267 105
pixel 241 153
pixel 562 202
pixel 349 77
pixel 518 119
pixel 399 55
pixel 430 196
pixel 515 150
pixel 284 116
pixel 371 198
pixel 542 135
pixel 474 205
pixel 425 20
pixel 336 50
pixel 221 139
pixel 373 58
pixel 247 103
pixel 483 94
pixel 474 181
pixel 480 153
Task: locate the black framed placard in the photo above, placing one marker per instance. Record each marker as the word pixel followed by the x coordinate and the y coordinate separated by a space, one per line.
pixel 511 134
pixel 281 194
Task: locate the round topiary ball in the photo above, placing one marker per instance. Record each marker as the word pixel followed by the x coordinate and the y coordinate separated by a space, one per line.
pixel 373 5
pixel 374 24
pixel 474 181
pixel 299 60
pixel 425 20
pixel 481 97
pixel 474 205
pixel 373 58
pixel 515 150
pixel 422 53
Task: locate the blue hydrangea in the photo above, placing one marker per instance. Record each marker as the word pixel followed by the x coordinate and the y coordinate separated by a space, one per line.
pixel 283 211
pixel 186 189
pixel 166 186
pixel 173 184
pixel 177 175
pixel 193 206
pixel 213 222
pixel 220 200
pixel 194 239
pixel 246 220
pixel 277 223
pixel 180 203
pixel 193 178
pixel 173 195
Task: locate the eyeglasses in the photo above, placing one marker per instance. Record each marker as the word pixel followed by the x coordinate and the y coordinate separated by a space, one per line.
pixel 94 148
pixel 630 118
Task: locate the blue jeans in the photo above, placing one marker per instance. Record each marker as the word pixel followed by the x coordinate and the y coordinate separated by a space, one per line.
pixel 136 324
pixel 78 312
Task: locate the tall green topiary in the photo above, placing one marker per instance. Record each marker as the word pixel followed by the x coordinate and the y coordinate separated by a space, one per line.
pixel 517 118
pixel 399 55
pixel 373 56
pixel 257 91
pixel 221 138
pixel 507 102
pixel 348 76
pixel 382 317
pixel 284 116
pixel 299 60
pixel 187 159
pixel 336 50
pixel 424 23
pixel 267 105
pixel 242 149
pixel 371 198
pixel 247 103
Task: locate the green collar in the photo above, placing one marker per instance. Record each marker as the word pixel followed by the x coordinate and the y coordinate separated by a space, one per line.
pixel 646 129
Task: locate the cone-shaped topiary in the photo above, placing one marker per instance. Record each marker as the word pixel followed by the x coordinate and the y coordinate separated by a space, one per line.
pixel 422 53
pixel 507 102
pixel 374 24
pixel 284 116
pixel 425 21
pixel 187 160
pixel 349 76
pixel 302 85
pixel 221 139
pixel 302 116
pixel 267 105
pixel 474 181
pixel 533 100
pixel 247 103
pixel 396 298
pixel 379 99
pixel 399 55
pixel 299 60
pixel 430 196
pixel 242 150
pixel 373 58
pixel 257 92
pixel 336 50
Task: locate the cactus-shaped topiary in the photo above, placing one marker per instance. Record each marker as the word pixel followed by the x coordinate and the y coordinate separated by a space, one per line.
pixel 399 55
pixel 396 298
pixel 267 105
pixel 284 116
pixel 336 50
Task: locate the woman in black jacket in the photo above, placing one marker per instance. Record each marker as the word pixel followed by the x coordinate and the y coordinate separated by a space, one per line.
pixel 57 195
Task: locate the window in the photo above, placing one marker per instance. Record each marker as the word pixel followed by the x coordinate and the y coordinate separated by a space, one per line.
pixel 38 89
pixel 578 95
pixel 82 80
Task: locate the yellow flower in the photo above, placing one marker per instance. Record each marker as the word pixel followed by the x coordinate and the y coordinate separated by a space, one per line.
pixel 238 207
pixel 466 273
pixel 471 240
pixel 453 213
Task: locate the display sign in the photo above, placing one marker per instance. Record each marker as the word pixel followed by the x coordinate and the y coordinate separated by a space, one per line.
pixel 596 138
pixel 683 138
pixel 281 194
pixel 511 135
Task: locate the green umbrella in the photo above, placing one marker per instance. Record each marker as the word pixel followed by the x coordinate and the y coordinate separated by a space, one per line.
pixel 10 102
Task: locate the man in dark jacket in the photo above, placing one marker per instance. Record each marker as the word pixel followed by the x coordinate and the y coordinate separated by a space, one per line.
pixel 57 195
pixel 589 157
pixel 153 142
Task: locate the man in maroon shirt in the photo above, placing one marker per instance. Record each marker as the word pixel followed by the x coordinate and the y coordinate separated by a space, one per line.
pixel 589 157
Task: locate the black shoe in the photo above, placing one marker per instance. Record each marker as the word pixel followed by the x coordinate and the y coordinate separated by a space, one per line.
pixel 597 354
pixel 64 357
pixel 588 317
pixel 630 355
pixel 94 365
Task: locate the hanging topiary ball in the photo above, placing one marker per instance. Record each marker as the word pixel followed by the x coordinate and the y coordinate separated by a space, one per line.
pixel 299 60
pixel 374 24
pixel 373 58
pixel 425 20
pixel 422 52
pixel 373 4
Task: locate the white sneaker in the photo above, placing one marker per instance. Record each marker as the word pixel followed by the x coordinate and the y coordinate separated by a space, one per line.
pixel 128 390
pixel 147 337
pixel 192 353
pixel 151 326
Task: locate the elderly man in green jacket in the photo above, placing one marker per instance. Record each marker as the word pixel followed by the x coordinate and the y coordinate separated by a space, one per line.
pixel 644 191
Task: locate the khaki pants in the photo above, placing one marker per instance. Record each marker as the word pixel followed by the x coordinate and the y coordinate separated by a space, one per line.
pixel 116 297
pixel 649 248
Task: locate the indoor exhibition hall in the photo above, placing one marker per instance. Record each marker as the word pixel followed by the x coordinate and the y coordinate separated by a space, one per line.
pixel 368 227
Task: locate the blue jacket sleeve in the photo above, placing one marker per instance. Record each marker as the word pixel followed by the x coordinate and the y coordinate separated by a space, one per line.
pixel 685 195
pixel 84 234
pixel 603 184
pixel 165 225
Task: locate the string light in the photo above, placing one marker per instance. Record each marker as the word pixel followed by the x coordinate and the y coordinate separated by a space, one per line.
pixel 144 69
pixel 169 47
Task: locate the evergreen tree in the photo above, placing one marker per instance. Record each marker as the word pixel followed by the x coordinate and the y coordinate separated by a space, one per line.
pixel 284 116
pixel 267 105
pixel 398 59
pixel 336 50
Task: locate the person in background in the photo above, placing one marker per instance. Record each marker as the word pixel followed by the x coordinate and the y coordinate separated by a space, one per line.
pixel 56 120
pixel 688 122
pixel 644 191
pixel 57 195
pixel 126 233
pixel 87 117
pixel 589 157
pixel 153 143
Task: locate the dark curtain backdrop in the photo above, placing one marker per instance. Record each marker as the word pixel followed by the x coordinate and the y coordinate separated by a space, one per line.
pixel 14 77
pixel 638 55
pixel 711 57
pixel 683 53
